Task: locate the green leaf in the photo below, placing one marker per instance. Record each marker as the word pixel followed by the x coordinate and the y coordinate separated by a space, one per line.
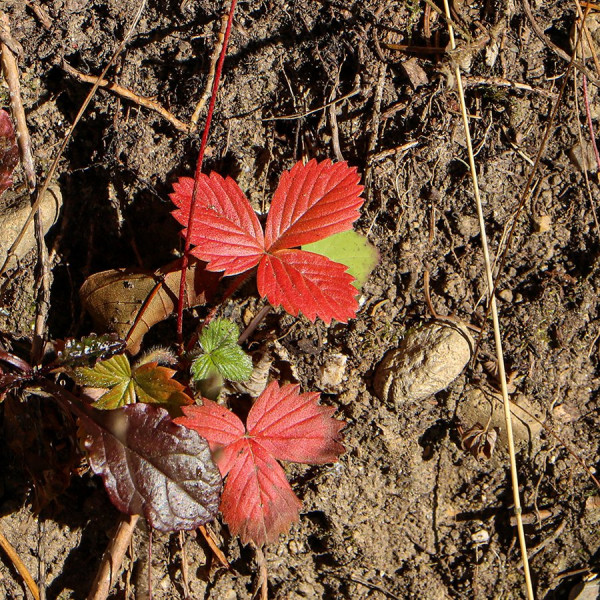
pixel 219 332
pixel 351 249
pixel 221 353
pixel 233 363
pixel 106 373
pixel 202 367
pixel 146 383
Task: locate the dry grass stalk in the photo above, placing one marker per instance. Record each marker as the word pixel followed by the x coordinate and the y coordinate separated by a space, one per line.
pixel 495 320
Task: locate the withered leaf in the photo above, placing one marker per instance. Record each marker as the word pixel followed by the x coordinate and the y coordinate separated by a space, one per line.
pixel 115 298
pixel 152 466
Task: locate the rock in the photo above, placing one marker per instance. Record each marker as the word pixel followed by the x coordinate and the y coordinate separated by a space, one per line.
pixel 428 361
pixel 331 373
pixel 477 407
pixel 584 158
pixel 542 223
pixel 588 590
pixel 14 210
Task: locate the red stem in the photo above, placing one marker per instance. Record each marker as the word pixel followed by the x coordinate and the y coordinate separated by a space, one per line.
pixel 211 108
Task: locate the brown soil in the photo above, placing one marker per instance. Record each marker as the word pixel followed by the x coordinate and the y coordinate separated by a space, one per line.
pixel 402 514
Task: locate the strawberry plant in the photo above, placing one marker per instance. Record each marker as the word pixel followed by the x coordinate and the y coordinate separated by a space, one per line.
pixel 157 452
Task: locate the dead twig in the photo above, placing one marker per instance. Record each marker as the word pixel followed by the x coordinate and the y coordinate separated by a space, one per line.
pixel 211 71
pixel 536 549
pixel 262 582
pixel 472 80
pixel 375 120
pixel 20 566
pixel 10 71
pixel 129 95
pixel 213 546
pixel 40 13
pixel 11 74
pixel 295 116
pixel 110 566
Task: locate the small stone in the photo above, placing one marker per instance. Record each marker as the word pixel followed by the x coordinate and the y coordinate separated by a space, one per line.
pixel 428 361
pixel 584 158
pixel 14 211
pixel 588 590
pixel 542 223
pixel 480 537
pixel 505 295
pixel 331 373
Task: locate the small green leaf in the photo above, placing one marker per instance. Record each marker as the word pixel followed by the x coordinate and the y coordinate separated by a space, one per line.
pixel 351 249
pixel 202 367
pixel 233 363
pixel 146 383
pixel 219 332
pixel 106 373
pixel 221 353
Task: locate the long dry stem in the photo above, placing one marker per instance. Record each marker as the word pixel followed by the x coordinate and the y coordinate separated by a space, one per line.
pixel 496 323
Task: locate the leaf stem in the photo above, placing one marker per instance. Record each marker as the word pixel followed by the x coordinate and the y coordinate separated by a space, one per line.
pixel 211 108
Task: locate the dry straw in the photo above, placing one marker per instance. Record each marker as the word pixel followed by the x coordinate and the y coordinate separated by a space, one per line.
pixel 495 321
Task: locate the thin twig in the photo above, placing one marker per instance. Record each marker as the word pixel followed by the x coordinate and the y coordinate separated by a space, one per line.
pixel 42 191
pixel 213 546
pixel 262 583
pixel 301 115
pixel 503 82
pixel 586 177
pixel 496 322
pixel 110 567
pixel 20 566
pixel 11 74
pixel 210 79
pixel 129 95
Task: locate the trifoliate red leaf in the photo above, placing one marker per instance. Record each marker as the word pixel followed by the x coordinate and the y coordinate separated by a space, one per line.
pixel 258 503
pixel 312 202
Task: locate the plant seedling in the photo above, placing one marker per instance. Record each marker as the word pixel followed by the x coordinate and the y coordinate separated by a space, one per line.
pixel 221 358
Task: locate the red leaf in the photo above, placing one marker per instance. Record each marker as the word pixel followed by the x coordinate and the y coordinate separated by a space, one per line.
pixel 258 503
pixel 312 202
pixel 292 426
pixel 9 153
pixel 225 231
pixel 309 283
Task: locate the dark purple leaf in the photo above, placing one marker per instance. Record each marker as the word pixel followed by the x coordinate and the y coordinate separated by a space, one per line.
pixel 9 153
pixel 152 466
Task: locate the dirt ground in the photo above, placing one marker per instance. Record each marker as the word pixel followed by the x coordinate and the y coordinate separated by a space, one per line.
pixel 406 513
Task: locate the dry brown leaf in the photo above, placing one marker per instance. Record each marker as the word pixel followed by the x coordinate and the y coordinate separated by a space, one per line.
pixel 116 297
